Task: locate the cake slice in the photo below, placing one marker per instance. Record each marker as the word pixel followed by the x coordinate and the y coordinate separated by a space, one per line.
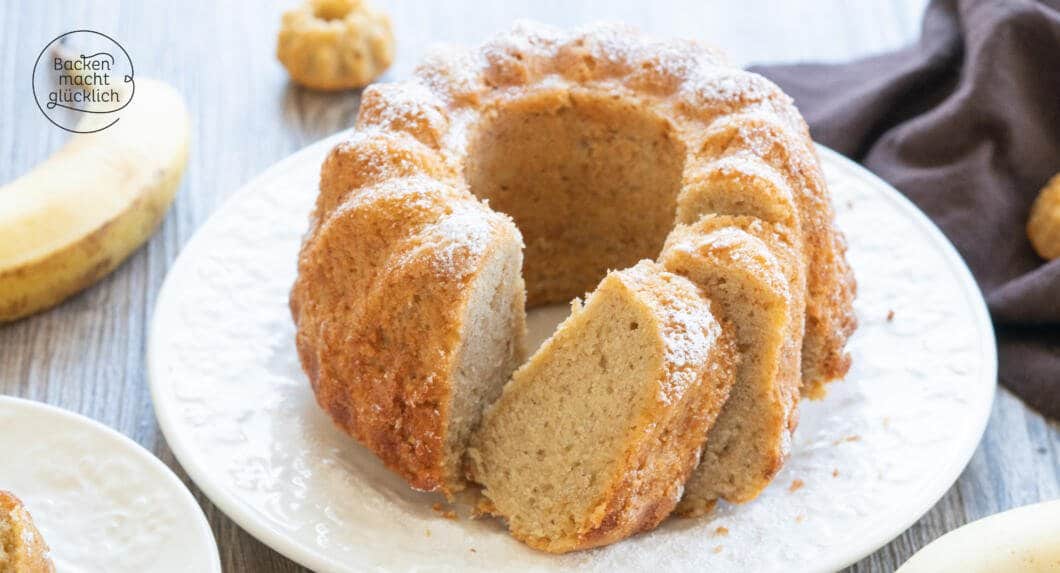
pixel 410 314
pixel 22 548
pixel 765 170
pixel 593 438
pixel 751 272
pixel 738 185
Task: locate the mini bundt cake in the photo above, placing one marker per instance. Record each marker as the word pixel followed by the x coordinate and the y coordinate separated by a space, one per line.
pixel 595 435
pixel 22 548
pixel 596 143
pixel 753 276
pixel 335 44
pixel 1043 225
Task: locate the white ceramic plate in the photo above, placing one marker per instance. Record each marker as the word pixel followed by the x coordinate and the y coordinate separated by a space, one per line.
pixel 102 502
pixel 866 463
pixel 1025 539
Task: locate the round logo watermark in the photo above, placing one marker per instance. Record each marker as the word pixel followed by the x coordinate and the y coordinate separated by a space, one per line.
pixel 82 80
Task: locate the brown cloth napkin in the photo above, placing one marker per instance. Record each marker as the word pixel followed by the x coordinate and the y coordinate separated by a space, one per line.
pixel 966 123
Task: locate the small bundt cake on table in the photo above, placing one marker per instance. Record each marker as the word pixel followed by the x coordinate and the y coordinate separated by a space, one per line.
pixel 409 301
pixel 335 44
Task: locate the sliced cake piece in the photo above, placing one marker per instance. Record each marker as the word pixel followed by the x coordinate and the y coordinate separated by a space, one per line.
pixel 22 548
pixel 830 283
pixel 751 273
pixel 593 438
pixel 410 316
pixel 738 185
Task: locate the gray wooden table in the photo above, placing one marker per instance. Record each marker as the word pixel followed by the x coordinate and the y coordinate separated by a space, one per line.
pixel 88 354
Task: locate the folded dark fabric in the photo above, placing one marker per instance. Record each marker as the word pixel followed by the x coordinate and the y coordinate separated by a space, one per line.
pixel 966 123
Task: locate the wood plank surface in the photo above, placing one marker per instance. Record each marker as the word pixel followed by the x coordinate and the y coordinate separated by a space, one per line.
pixel 88 354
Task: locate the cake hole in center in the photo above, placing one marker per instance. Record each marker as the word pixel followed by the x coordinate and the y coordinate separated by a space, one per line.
pixel 590 179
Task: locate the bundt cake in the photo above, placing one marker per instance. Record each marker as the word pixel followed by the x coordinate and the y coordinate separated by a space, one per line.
pixel 22 548
pixel 595 435
pixel 753 276
pixel 597 143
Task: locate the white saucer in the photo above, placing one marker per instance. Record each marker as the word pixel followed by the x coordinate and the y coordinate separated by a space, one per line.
pixel 867 462
pixel 102 502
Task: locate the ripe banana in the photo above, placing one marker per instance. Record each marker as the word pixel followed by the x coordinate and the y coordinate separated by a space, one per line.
pixel 76 216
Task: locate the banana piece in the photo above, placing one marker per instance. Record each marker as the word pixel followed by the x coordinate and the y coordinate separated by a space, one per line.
pixel 1023 540
pixel 76 216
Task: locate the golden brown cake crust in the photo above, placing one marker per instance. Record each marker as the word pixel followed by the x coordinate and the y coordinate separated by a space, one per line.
pixel 419 243
pixel 21 546
pixel 1043 225
pixel 382 374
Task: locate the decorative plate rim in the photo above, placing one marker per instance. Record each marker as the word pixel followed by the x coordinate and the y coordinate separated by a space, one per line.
pixel 932 493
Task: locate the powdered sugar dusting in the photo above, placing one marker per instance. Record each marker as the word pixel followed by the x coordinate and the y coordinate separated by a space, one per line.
pixel 747 163
pixel 381 154
pixel 733 248
pixel 454 244
pixel 618 47
pixel 725 239
pixel 452 72
pixel 723 86
pixel 611 42
pixel 416 192
pixel 460 237
pixel 690 335
pixel 762 131
pixel 696 80
pixel 526 39
pixel 405 106
pixel 689 330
